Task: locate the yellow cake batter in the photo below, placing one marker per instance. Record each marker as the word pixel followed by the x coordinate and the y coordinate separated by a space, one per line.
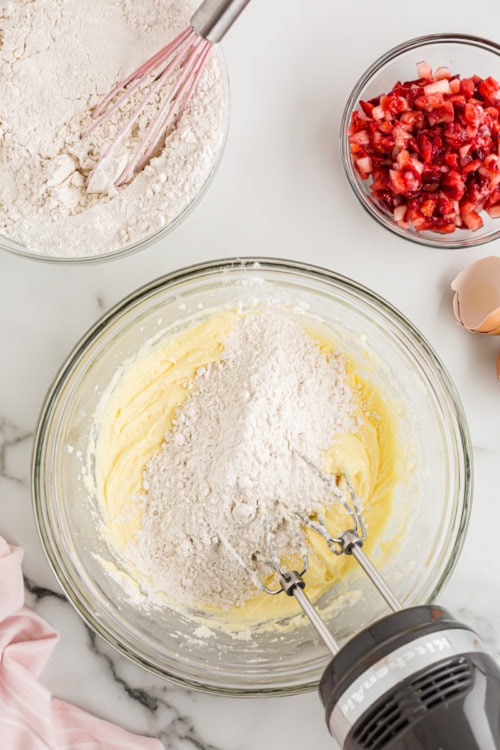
pixel 139 409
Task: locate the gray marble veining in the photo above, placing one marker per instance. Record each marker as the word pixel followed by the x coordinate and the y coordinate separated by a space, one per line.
pixel 279 192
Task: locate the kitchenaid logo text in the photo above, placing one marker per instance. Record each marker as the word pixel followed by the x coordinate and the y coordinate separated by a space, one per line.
pixel 384 668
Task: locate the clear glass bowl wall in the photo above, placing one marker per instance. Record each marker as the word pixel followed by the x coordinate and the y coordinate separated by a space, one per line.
pixel 462 54
pixel 430 508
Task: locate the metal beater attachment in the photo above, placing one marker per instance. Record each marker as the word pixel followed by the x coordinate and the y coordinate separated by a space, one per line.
pixel 345 494
pixel 349 542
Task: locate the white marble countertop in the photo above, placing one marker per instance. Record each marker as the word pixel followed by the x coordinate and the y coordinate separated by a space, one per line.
pixel 280 192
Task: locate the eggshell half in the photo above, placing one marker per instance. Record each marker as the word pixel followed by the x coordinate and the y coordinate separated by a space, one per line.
pixel 476 302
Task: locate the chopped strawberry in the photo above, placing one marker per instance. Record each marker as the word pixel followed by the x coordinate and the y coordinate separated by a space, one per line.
pixel 467 87
pixel 399 216
pixel 472 166
pixel 398 182
pixel 490 89
pixel 446 228
pixel 451 159
pixel 428 206
pixel 441 86
pixel 472 220
pixel 367 107
pixel 364 166
pixel 361 137
pixel 445 113
pixel 494 211
pixel 473 113
pixel 431 148
pixel 454 183
pixel 442 72
pixel 393 104
pixel 430 101
pixel 424 70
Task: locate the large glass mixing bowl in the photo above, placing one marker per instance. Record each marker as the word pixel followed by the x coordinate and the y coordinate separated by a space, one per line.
pixel 430 508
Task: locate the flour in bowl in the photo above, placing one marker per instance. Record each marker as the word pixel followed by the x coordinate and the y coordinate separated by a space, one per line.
pixel 58 58
pixel 231 469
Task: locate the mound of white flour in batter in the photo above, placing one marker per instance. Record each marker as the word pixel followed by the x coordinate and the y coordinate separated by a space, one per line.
pixel 58 58
pixel 230 473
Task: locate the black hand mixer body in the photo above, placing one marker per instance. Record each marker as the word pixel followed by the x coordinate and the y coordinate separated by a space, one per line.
pixel 416 680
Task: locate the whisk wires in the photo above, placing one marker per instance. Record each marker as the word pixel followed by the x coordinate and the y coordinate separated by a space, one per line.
pixel 172 73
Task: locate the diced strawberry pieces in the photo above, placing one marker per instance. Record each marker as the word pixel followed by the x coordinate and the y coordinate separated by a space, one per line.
pixel 472 220
pixel 447 228
pixel 360 137
pixel 424 70
pixel 429 101
pixel 412 119
pixel 472 166
pixel 445 113
pixel 441 86
pixel 454 183
pixel 441 73
pixel 491 165
pixel 425 147
pixel 473 113
pixel 364 166
pixel 428 207
pixel 406 161
pixel 451 159
pixel 393 104
pixel 431 148
pixel 467 87
pixel 367 107
pixel 445 205
pixel 456 136
pixel 494 211
pixel 489 89
pixel 399 215
pixel 397 181
pixel 493 198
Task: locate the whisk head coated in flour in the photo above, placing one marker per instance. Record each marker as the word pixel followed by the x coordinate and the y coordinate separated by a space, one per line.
pixel 169 77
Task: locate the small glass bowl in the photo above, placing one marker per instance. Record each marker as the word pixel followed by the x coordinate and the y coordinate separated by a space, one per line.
pixel 431 502
pixel 141 243
pixel 462 54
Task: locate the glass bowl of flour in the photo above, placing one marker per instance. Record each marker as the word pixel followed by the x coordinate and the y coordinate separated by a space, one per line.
pixel 58 61
pixel 199 369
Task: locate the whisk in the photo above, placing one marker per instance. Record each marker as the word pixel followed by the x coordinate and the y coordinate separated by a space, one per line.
pixel 171 74
pixel 417 679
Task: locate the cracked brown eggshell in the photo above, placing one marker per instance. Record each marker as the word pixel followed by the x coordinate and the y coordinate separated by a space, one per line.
pixel 476 302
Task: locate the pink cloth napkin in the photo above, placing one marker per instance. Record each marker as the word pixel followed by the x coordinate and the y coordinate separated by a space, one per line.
pixel 30 718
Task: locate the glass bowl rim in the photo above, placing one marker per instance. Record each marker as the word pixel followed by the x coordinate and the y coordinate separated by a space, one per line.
pixel 433 240
pixel 295 268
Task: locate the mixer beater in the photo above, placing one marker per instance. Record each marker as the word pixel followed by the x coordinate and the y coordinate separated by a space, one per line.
pixel 417 679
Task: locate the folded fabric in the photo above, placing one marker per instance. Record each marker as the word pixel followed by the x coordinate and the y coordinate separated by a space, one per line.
pixel 30 718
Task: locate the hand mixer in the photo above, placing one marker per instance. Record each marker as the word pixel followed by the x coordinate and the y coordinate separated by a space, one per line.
pixel 417 679
pixel 171 74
